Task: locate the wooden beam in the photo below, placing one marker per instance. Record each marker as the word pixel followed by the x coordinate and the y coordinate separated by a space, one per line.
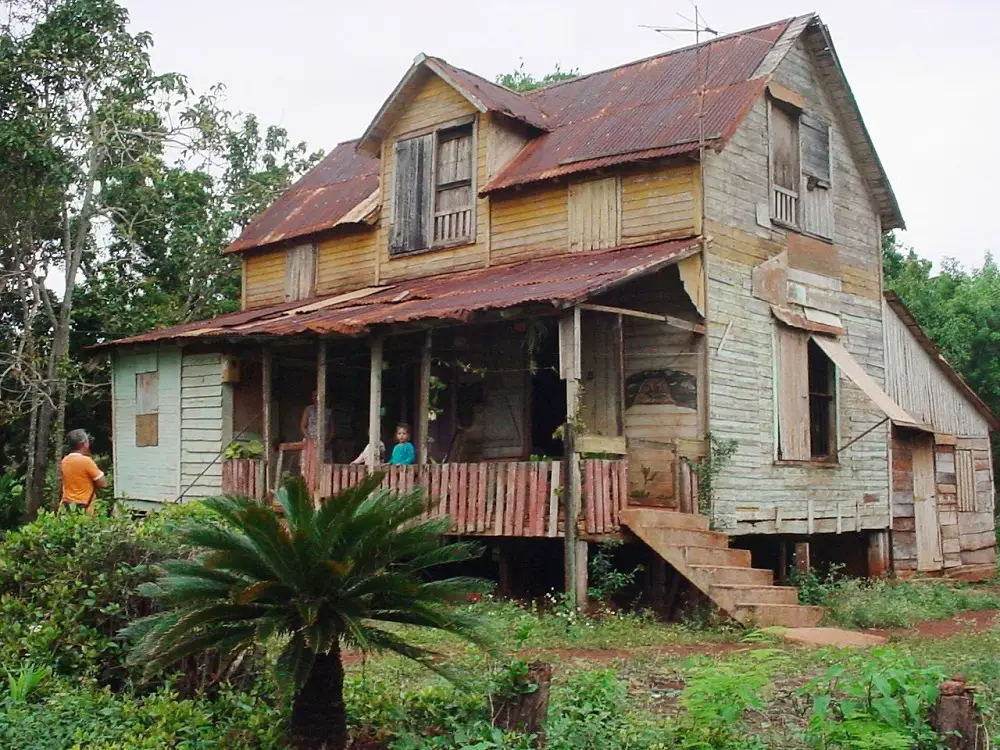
pixel 321 425
pixel 619 355
pixel 424 405
pixel 375 403
pixel 570 346
pixel 670 320
pixel 266 390
pixel 601 444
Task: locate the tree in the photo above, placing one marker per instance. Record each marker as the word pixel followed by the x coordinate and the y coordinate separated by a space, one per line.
pixel 319 578
pixel 518 80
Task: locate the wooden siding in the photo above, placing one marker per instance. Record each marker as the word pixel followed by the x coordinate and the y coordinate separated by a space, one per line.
pixel 532 223
pixel 601 374
pixel 915 382
pixel 264 278
pixel 595 214
pixel 149 472
pixel 502 144
pixel 201 425
pixel 346 262
pixel 660 203
pixel 300 271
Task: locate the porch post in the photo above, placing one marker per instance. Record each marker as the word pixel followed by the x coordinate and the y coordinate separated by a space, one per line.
pixel 265 379
pixel 569 366
pixel 321 426
pixel 619 343
pixel 375 403
pixel 424 405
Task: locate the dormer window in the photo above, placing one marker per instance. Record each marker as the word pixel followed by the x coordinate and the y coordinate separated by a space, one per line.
pixel 434 194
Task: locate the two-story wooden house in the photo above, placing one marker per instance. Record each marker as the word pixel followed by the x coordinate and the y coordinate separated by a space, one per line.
pixel 565 293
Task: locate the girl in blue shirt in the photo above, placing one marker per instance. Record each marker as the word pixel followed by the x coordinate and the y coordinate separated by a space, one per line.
pixel 403 453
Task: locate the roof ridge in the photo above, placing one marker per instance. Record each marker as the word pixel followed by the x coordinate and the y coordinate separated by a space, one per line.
pixel 658 55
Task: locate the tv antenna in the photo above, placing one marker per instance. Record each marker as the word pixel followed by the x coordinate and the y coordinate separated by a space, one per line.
pixel 698 26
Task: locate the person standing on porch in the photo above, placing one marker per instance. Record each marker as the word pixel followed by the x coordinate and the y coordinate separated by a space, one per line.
pixel 81 477
pixel 403 453
pixel 309 427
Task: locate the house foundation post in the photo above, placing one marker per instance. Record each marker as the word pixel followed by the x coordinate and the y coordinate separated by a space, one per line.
pixel 879 559
pixel 321 426
pixel 569 370
pixel 266 390
pixel 424 413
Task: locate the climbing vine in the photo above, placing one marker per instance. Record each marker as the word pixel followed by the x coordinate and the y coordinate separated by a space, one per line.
pixel 709 468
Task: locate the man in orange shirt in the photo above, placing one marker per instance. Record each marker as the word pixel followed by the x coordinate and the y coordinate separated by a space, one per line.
pixel 81 478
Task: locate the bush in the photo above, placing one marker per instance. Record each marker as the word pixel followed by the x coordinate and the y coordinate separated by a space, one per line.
pixel 77 714
pixel 11 501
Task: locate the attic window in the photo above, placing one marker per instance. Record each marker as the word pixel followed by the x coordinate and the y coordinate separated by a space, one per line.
pixel 433 196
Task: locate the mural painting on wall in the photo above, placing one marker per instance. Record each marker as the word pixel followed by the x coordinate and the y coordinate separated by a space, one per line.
pixel 666 386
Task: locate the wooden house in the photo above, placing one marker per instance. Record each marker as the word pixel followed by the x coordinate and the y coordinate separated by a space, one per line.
pixel 565 293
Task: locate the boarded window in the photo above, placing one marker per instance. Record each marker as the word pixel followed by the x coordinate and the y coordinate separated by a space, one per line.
pixel 816 198
pixel 453 186
pixel 784 147
pixel 965 480
pixel 147 408
pixel 300 272
pixel 594 214
pixel 413 167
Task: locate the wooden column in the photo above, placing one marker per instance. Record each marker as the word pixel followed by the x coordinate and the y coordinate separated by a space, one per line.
pixel 424 406
pixel 569 367
pixel 619 343
pixel 266 389
pixel 582 558
pixel 375 403
pixel 879 560
pixel 802 561
pixel 321 425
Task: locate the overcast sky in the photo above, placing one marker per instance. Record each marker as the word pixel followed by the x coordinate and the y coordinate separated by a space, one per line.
pixel 926 73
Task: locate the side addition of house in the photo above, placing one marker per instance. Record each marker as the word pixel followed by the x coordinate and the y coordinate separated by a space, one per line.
pixel 573 298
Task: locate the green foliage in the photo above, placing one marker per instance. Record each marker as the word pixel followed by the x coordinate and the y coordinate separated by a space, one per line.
pixel 870 701
pixel 11 501
pixel 717 698
pixel 25 681
pixel 885 603
pixel 68 583
pixel 519 80
pixel 606 579
pixel 815 588
pixel 254 449
pixel 709 468
pixel 71 714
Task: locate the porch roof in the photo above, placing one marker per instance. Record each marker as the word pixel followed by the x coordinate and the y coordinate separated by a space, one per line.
pixel 560 281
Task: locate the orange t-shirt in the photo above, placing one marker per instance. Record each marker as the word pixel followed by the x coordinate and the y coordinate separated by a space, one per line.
pixel 79 472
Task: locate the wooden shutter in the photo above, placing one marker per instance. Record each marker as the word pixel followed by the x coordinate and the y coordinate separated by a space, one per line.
pixel 147 408
pixel 815 136
pixel 300 272
pixel 965 480
pixel 784 149
pixel 412 194
pixel 793 394
pixel 816 194
pixel 453 174
pixel 594 214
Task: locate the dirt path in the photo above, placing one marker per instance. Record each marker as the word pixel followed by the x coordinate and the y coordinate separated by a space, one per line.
pixel 961 624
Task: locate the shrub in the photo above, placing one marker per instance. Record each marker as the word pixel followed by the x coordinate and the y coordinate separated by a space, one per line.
pixel 11 500
pixel 606 579
pixel 886 603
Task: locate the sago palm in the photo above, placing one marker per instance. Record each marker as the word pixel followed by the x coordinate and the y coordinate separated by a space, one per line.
pixel 319 578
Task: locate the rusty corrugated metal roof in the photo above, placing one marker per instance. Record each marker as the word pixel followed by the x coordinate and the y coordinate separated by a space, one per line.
pixel 493 96
pixel 560 280
pixel 327 193
pixel 645 109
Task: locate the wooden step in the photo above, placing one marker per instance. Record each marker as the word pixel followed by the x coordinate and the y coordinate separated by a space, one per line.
pixel 734 574
pixel 785 615
pixel 660 538
pixel 728 557
pixel 660 518
pixel 728 595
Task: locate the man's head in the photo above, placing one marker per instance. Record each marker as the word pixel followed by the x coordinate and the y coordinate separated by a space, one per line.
pixel 79 441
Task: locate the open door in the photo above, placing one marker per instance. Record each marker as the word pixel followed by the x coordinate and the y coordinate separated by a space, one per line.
pixel 925 510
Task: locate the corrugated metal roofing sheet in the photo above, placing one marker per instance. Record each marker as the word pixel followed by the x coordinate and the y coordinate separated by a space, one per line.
pixel 495 97
pixel 560 280
pixel 342 180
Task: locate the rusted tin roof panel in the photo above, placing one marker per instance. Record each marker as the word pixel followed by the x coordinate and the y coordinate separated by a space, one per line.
pixel 495 97
pixel 560 281
pixel 342 180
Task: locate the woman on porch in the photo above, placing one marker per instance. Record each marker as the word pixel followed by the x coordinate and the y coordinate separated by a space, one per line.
pixel 309 427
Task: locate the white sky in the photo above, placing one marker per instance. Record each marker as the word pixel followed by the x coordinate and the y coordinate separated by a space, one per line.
pixel 926 73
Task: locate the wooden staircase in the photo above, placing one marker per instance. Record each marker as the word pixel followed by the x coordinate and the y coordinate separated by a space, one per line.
pixel 723 574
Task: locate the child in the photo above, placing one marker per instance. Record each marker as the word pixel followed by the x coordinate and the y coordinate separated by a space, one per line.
pixel 403 453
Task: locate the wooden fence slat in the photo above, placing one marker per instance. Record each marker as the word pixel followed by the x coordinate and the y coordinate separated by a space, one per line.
pixel 521 481
pixel 463 497
pixel 499 486
pixel 598 497
pixel 481 498
pixel 532 498
pixel 453 494
pixel 606 469
pixel 622 490
pixel 589 487
pixel 554 486
pixel 615 495
pixel 510 502
pixel 541 499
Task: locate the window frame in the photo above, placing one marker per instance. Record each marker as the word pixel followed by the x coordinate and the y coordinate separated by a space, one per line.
pixel 430 210
pixel 147 416
pixel 795 113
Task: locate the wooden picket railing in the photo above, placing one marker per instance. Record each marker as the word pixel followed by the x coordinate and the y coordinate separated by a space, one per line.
pixel 514 499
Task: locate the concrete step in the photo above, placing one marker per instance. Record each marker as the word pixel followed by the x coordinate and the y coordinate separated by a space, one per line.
pixel 697 555
pixel 785 615
pixel 661 518
pixel 662 538
pixel 737 574
pixel 728 595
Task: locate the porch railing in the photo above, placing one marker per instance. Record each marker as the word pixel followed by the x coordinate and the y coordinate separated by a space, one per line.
pixel 514 499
